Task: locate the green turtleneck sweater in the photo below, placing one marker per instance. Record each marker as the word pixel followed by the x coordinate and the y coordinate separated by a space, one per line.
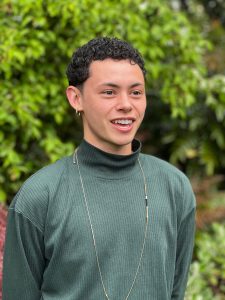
pixel 49 252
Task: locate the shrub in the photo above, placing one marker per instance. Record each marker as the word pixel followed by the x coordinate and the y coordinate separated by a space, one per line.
pixel 207 273
pixel 36 42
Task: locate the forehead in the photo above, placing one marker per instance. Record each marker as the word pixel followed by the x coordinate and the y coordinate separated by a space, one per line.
pixel 115 70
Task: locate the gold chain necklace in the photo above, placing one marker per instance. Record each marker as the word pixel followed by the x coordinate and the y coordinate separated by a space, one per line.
pixel 75 161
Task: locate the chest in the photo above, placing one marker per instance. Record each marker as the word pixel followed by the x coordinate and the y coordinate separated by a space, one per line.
pixel 115 212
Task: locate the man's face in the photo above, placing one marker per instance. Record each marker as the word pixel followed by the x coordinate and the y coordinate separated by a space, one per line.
pixel 113 104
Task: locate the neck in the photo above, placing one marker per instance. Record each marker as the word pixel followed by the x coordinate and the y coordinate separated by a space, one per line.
pixel 111 149
pixel 108 165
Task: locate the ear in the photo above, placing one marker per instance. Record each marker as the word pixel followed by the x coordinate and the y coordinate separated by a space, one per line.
pixel 74 97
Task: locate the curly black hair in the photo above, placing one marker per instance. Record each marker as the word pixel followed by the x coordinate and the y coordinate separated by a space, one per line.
pixel 99 49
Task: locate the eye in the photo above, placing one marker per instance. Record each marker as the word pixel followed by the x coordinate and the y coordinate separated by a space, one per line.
pixel 136 92
pixel 108 92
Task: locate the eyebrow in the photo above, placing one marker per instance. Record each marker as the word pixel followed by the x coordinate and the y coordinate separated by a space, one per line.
pixel 111 84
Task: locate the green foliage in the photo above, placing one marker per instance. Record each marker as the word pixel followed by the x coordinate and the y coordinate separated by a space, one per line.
pixel 207 273
pixel 197 288
pixel 37 39
pixel 198 142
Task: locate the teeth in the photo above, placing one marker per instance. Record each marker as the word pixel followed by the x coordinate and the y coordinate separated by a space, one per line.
pixel 123 122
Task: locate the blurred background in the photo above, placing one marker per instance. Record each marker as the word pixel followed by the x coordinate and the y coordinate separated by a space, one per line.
pixel 183 44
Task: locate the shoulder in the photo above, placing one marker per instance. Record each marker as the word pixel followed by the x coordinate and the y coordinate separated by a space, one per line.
pixel 46 178
pixel 32 199
pixel 162 167
pixel 168 177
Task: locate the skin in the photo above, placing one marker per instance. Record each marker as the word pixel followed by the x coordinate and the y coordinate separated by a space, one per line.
pixel 115 90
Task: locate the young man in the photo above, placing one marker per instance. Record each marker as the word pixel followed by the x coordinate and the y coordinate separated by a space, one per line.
pixel 107 222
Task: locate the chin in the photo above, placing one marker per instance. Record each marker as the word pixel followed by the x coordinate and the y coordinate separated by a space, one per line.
pixel 123 142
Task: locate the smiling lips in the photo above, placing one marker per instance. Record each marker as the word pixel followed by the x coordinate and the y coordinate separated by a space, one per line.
pixel 123 125
pixel 122 121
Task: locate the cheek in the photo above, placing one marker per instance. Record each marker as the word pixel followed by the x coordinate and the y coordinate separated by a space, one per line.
pixel 97 110
pixel 141 107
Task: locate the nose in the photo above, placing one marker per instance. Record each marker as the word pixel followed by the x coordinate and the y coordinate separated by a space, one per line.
pixel 124 103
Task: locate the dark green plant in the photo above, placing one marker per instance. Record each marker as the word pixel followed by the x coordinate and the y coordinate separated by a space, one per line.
pixel 36 41
pixel 207 274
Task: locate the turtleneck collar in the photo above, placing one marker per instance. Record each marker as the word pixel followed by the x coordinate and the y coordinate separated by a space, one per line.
pixel 106 165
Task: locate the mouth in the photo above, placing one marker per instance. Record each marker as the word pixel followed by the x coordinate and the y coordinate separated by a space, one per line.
pixel 123 125
pixel 123 122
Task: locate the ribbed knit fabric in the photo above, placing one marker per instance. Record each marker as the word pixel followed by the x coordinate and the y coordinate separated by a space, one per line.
pixel 49 251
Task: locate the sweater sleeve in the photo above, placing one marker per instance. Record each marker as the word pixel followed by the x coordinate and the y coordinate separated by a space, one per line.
pixel 185 244
pixel 23 258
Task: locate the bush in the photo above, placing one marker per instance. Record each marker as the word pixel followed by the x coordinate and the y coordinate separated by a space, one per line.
pixel 37 39
pixel 207 273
